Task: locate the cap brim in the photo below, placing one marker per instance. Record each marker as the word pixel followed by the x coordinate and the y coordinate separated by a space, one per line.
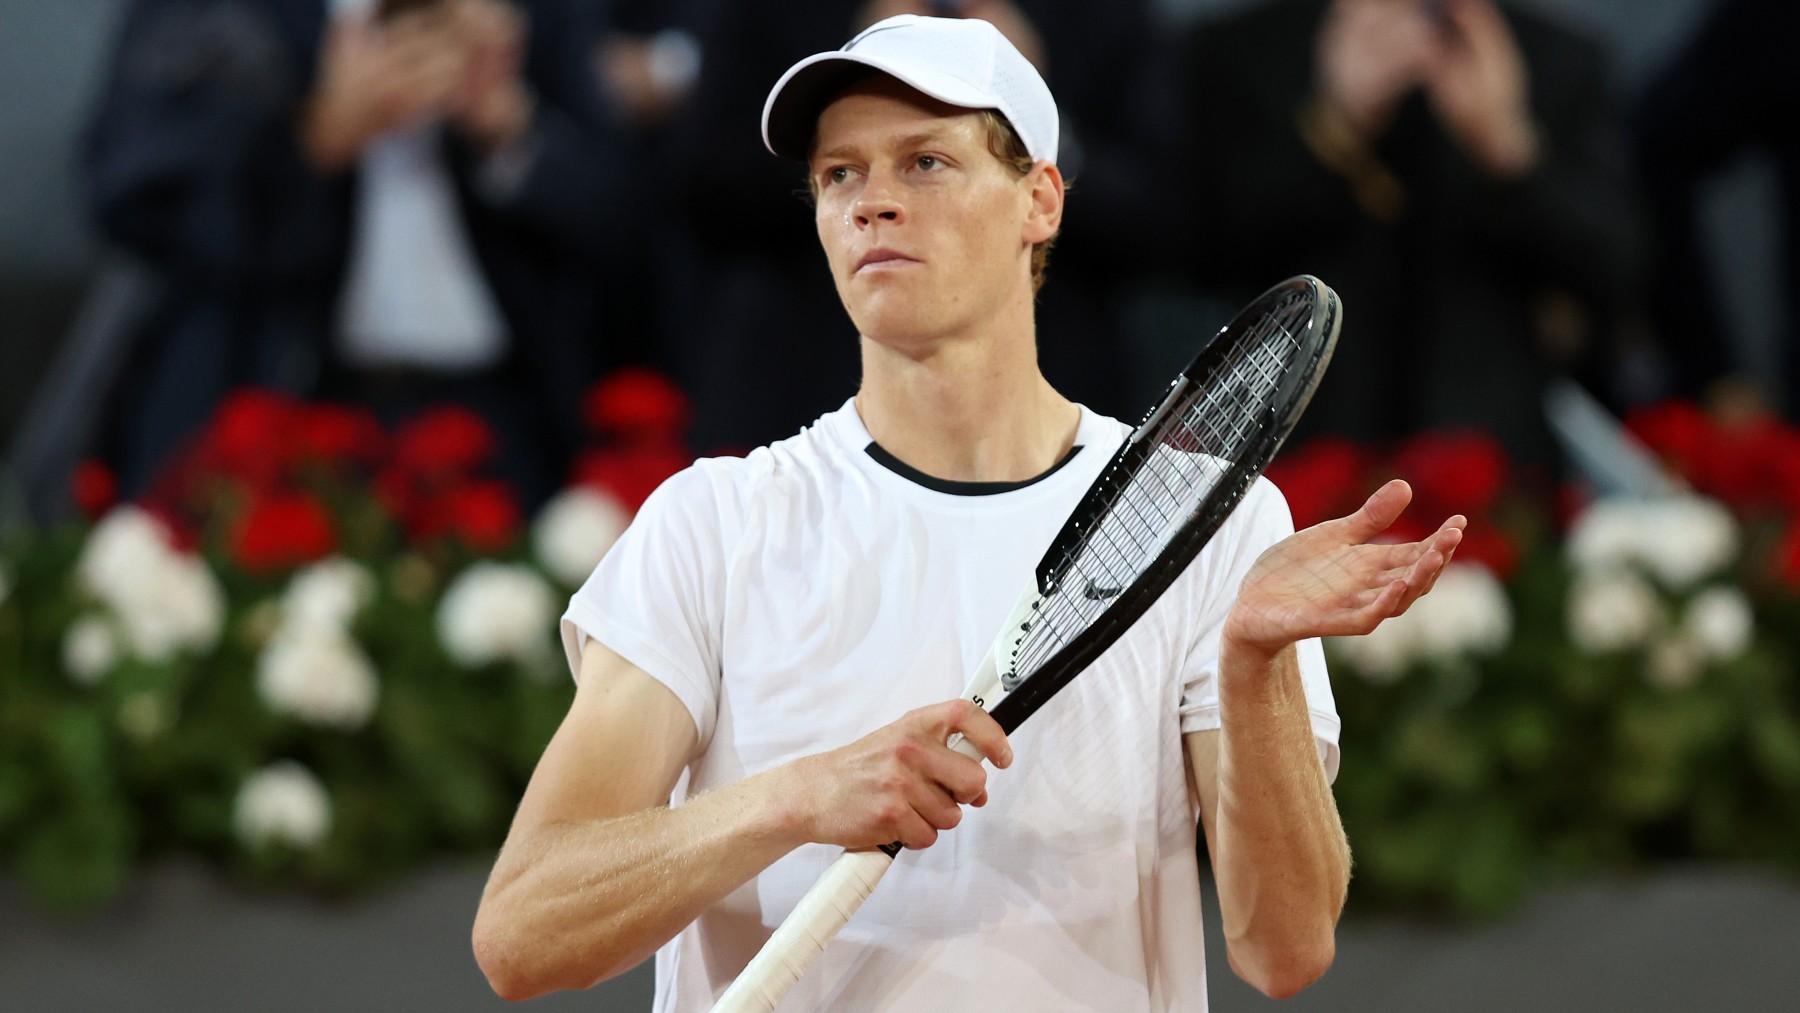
pixel 791 113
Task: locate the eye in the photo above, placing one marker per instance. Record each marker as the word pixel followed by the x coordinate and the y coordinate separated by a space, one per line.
pixel 835 175
pixel 928 162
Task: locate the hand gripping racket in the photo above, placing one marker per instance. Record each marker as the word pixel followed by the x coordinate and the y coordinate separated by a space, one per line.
pixel 1176 479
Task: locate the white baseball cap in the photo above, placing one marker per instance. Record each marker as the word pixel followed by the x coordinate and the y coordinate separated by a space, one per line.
pixel 961 61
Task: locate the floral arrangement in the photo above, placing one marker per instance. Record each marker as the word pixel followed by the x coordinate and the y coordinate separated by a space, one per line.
pixel 1591 685
pixel 318 652
pixel 321 653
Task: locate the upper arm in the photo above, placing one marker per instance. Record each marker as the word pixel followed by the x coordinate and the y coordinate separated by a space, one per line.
pixel 1202 749
pixel 620 749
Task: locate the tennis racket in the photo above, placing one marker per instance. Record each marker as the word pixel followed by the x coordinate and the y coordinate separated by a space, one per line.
pixel 1154 505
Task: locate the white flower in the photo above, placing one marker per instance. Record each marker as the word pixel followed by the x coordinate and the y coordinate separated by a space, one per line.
pixel 495 611
pixel 90 650
pixel 1381 656
pixel 1467 612
pixel 127 548
pixel 165 600
pixel 574 531
pixel 317 675
pixel 327 595
pixel 1689 538
pixel 1611 611
pixel 282 803
pixel 1681 539
pixel 1719 623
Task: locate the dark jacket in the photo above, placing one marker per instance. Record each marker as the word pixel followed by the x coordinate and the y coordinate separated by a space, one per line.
pixel 193 165
pixel 1445 304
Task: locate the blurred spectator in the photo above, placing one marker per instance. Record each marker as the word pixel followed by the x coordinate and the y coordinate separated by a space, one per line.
pixel 768 347
pixel 397 202
pixel 1452 168
pixel 1729 92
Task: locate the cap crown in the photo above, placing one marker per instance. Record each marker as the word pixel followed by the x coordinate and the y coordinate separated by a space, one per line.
pixel 961 61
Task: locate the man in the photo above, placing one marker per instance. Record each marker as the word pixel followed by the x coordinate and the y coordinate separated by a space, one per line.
pixel 1453 167
pixel 761 613
pixel 390 203
pixel 754 302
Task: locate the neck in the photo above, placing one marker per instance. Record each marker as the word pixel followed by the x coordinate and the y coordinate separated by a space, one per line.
pixel 973 408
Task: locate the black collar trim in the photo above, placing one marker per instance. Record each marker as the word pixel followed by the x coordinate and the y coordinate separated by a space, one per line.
pixel 917 477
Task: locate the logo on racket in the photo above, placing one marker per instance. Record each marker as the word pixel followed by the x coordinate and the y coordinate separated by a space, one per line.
pixel 1095 592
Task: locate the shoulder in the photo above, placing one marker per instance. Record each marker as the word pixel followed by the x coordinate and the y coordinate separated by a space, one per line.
pixel 809 464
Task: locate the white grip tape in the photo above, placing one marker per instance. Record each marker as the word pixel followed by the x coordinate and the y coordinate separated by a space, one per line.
pixel 805 932
pixel 850 880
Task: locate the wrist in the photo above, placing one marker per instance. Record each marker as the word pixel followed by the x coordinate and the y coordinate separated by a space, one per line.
pixel 1241 653
pixel 782 805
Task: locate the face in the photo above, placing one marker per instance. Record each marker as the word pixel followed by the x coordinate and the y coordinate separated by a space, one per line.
pixel 928 235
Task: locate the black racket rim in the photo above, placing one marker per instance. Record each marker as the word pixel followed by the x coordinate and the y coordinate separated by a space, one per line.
pixel 1291 396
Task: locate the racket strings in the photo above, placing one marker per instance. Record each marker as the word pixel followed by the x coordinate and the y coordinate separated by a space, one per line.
pixel 1195 444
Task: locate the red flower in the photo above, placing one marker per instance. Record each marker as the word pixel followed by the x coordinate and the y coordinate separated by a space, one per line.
pixel 484 515
pixel 93 488
pixel 1786 564
pixel 1742 464
pixel 630 474
pixel 338 434
pixel 253 437
pixel 1677 431
pixel 279 531
pixel 1321 480
pixel 1457 472
pixel 444 442
pixel 1484 544
pixel 637 402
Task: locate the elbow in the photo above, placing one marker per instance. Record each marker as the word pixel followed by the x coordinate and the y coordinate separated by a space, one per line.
pixel 1284 968
pixel 515 972
pixel 518 970
pixel 500 963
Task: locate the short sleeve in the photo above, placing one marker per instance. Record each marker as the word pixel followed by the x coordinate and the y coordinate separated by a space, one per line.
pixel 1260 521
pixel 656 598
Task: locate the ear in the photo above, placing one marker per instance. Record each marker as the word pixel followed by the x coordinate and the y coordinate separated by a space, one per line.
pixel 1044 218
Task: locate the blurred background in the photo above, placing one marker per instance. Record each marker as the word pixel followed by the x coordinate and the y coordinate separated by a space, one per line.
pixel 339 339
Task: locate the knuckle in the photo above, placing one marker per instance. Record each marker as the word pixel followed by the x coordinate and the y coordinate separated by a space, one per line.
pixel 892 813
pixel 907 751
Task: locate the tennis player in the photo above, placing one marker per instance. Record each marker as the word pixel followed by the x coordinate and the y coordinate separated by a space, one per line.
pixel 764 658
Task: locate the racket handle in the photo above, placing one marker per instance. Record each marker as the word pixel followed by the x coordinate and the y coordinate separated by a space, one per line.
pixel 815 921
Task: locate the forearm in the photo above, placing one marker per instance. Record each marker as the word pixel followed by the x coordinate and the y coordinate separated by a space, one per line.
pixel 1279 855
pixel 573 903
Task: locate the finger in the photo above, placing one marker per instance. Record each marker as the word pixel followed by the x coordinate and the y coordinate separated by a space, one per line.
pixel 1385 606
pixel 916 834
pixel 1378 511
pixel 976 725
pixel 935 806
pixel 960 778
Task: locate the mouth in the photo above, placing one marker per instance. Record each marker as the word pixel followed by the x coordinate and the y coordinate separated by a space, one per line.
pixel 881 259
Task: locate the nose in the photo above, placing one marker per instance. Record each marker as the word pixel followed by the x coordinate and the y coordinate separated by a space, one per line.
pixel 878 202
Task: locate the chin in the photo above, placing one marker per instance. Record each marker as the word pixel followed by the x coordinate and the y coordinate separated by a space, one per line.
pixel 894 318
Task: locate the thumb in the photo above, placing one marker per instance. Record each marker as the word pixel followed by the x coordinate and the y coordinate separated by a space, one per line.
pixel 1378 511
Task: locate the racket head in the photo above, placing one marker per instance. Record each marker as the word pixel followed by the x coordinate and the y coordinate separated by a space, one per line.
pixel 1170 486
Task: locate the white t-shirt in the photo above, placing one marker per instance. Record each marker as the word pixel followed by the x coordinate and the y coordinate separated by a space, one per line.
pixel 801 597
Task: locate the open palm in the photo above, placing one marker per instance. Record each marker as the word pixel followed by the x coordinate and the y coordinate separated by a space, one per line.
pixel 1333 580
